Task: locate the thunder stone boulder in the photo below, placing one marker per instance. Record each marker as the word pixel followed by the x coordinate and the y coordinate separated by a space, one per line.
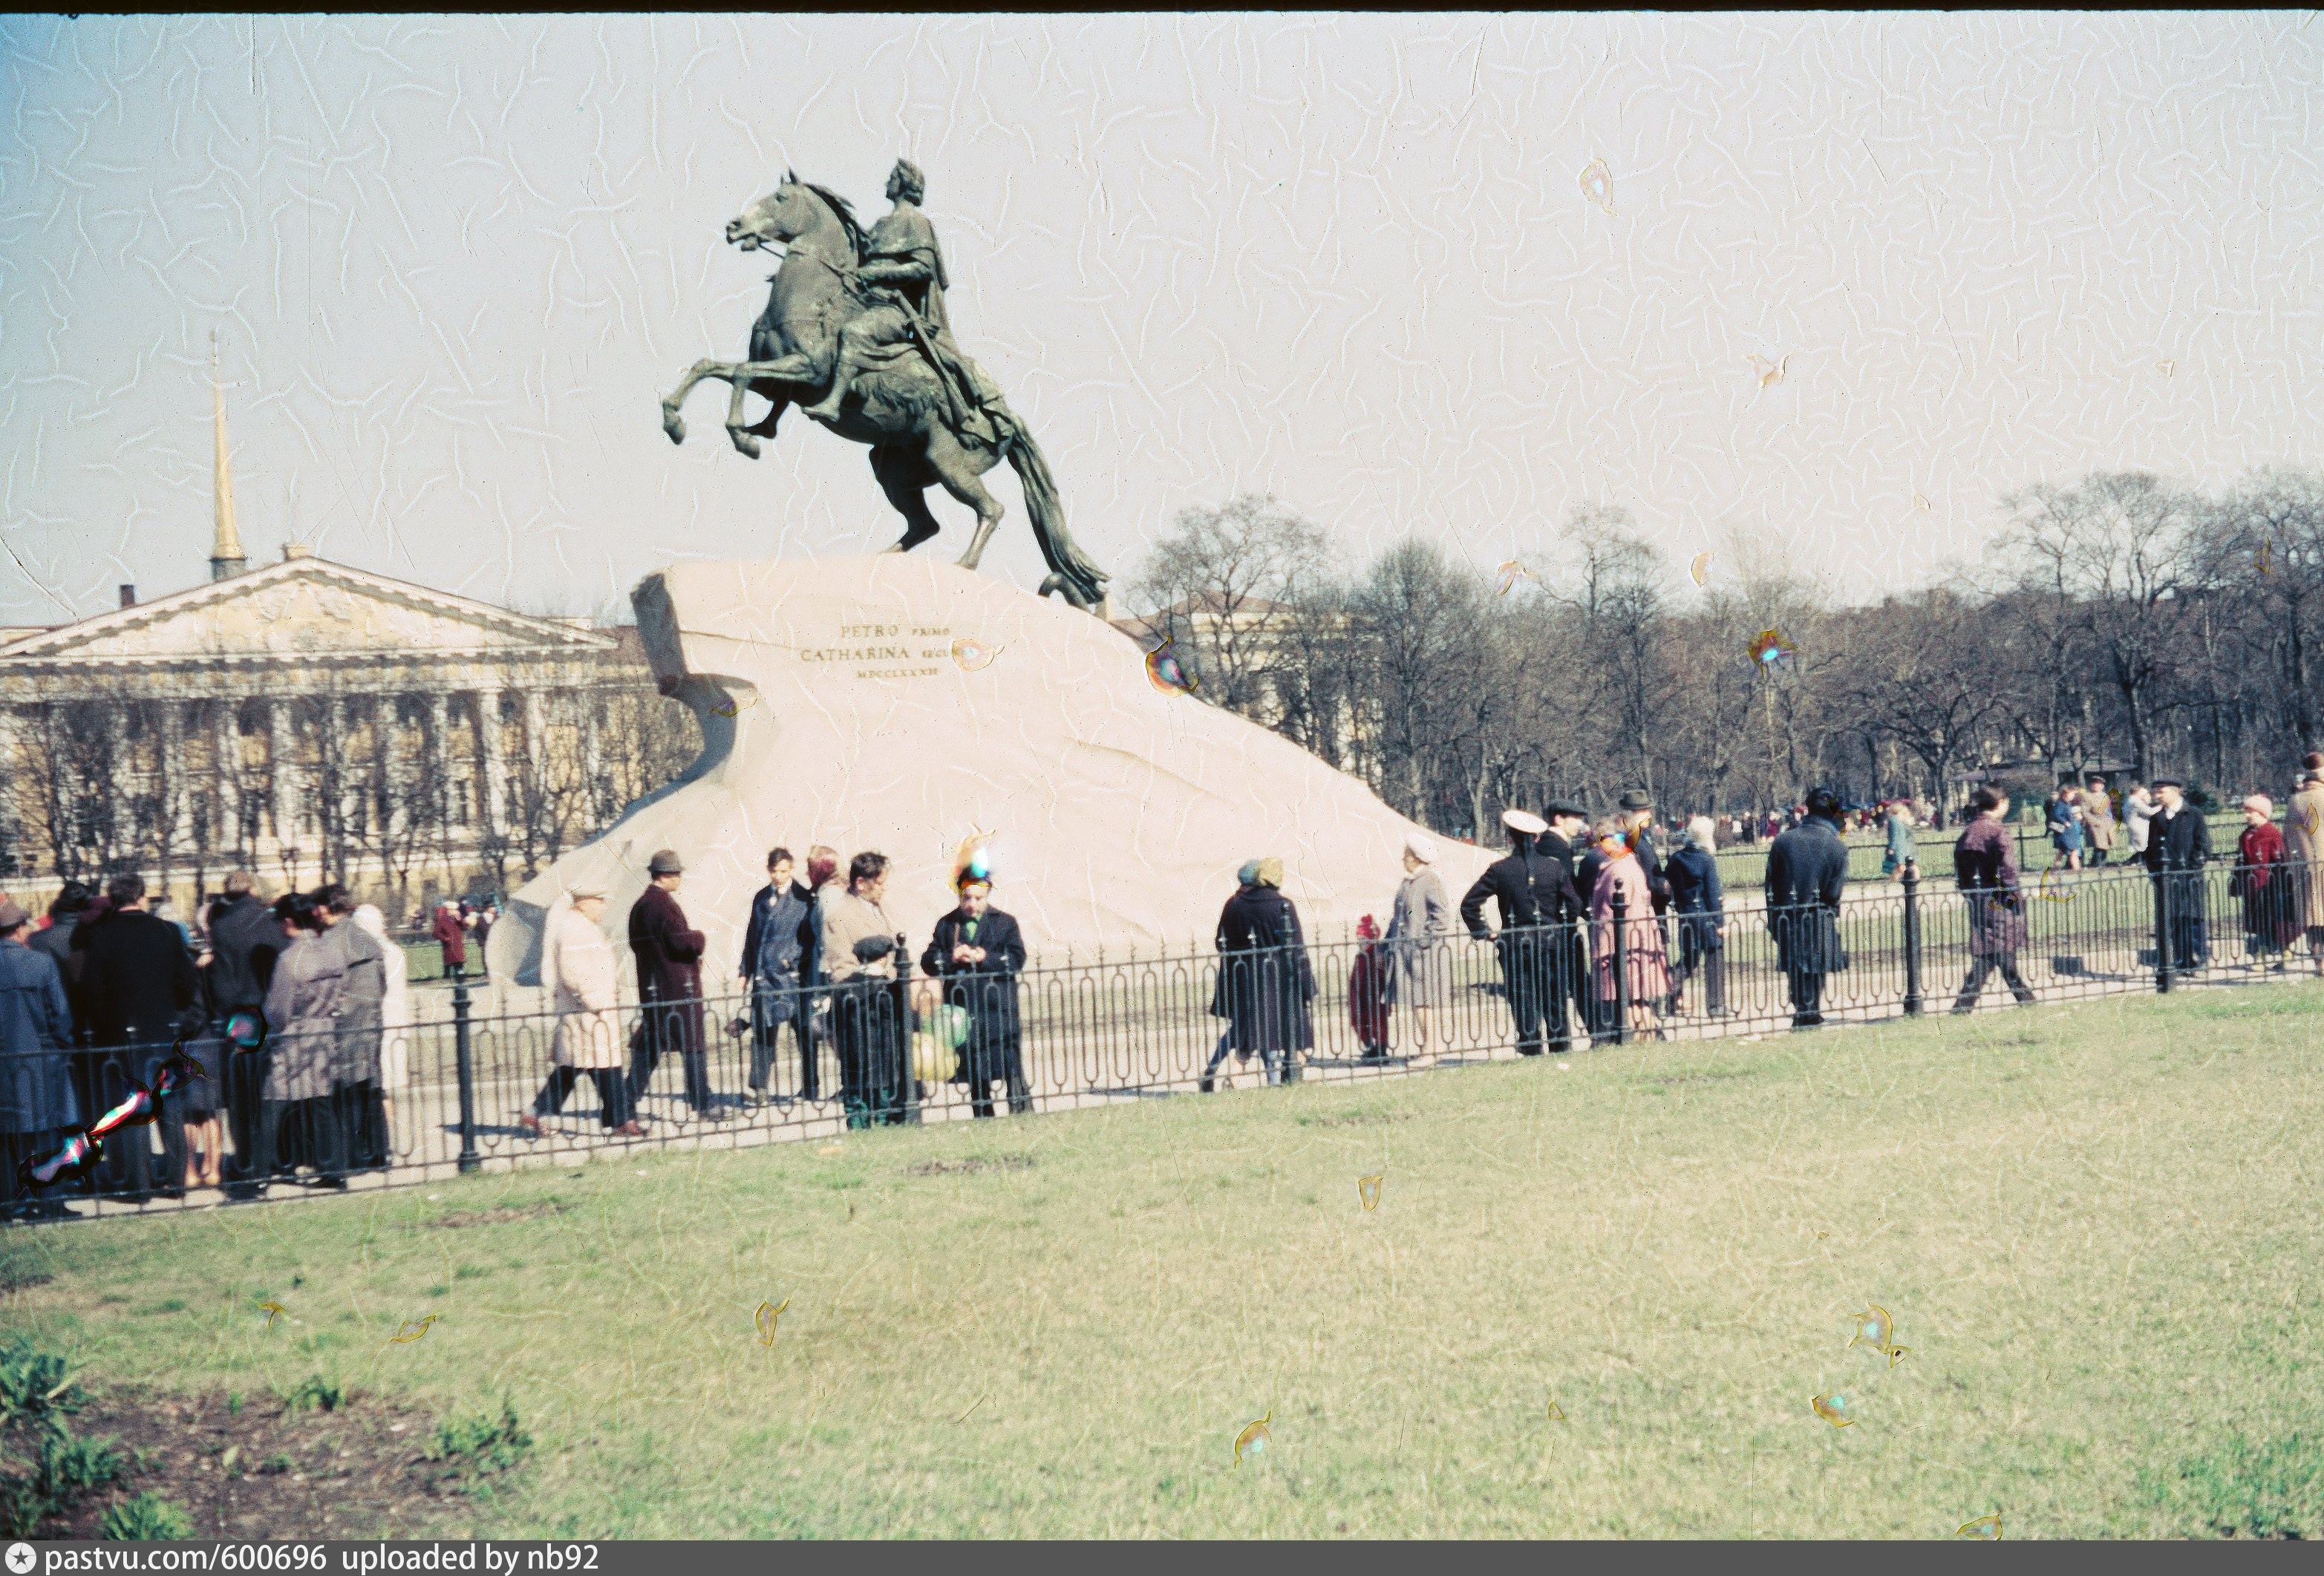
pixel 901 704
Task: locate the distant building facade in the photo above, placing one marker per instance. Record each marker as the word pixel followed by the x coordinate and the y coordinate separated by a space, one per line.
pixel 310 721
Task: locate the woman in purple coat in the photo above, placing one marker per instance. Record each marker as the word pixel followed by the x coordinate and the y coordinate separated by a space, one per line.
pixel 1985 867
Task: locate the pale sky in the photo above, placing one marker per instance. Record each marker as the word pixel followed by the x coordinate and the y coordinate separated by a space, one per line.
pixel 454 262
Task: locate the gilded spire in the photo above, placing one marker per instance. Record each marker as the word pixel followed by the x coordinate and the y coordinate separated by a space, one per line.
pixel 226 552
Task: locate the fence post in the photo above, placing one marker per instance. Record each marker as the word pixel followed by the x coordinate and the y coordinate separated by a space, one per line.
pixel 466 1053
pixel 904 1024
pixel 2163 971
pixel 1912 938
pixel 1621 969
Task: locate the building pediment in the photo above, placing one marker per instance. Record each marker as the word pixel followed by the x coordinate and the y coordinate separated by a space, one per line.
pixel 302 609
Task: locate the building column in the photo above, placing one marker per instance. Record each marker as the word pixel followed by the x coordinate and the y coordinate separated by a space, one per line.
pixel 535 730
pixel 592 760
pixel 282 765
pixel 226 769
pixel 488 747
pixel 170 756
pixel 436 743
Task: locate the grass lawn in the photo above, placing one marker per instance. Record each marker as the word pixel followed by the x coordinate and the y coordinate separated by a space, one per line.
pixel 2094 1227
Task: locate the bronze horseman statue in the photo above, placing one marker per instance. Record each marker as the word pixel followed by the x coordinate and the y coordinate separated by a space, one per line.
pixel 860 318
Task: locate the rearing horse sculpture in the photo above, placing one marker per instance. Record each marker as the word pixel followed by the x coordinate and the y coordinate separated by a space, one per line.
pixel 903 408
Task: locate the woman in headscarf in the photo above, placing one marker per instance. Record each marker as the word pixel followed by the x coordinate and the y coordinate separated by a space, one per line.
pixel 394 1009
pixel 1416 928
pixel 2261 881
pixel 298 1121
pixel 1646 961
pixel 1701 906
pixel 1268 980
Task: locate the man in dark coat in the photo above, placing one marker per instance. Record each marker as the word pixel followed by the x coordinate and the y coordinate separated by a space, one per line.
pixel 774 952
pixel 1807 872
pixel 669 986
pixel 1266 975
pixel 36 1094
pixel 143 993
pixel 1534 889
pixel 245 938
pixel 2178 847
pixel 978 951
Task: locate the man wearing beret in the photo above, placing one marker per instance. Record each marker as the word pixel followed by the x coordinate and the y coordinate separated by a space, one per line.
pixel 669 986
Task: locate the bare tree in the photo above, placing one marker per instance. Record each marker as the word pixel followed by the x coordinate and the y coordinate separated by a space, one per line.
pixel 2110 556
pixel 1227 585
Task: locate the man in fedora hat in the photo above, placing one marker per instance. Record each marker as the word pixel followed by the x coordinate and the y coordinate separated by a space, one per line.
pixel 1569 961
pixel 669 986
pixel 1534 889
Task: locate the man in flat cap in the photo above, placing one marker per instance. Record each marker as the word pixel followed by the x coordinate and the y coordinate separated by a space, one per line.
pixel 669 986
pixel 1807 872
pixel 2178 847
pixel 1535 892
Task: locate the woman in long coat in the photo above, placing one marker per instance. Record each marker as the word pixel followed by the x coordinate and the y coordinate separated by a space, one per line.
pixel 1265 975
pixel 977 953
pixel 2303 834
pixel 2263 881
pixel 1646 961
pixel 395 1010
pixel 1985 869
pixel 298 1121
pixel 1417 927
pixel 578 974
pixel 36 1094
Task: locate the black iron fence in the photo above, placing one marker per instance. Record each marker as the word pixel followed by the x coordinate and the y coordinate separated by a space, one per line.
pixel 366 1106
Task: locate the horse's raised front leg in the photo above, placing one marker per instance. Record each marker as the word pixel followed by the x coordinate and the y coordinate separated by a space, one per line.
pixel 671 421
pixel 797 368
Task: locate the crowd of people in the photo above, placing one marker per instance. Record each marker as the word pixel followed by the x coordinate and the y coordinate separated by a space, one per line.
pixel 100 995
pixel 1598 932
pixel 819 968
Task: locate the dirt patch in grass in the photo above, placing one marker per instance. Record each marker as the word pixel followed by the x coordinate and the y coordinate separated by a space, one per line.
pixel 1354 1121
pixel 267 1471
pixel 453 1219
pixel 970 1166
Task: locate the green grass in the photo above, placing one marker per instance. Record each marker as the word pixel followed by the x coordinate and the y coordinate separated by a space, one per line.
pixel 2094 1228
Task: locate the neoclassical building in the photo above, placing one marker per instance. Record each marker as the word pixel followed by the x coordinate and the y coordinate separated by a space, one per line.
pixel 306 719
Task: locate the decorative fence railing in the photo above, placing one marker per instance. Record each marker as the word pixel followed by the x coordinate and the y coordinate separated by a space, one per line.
pixel 732 1071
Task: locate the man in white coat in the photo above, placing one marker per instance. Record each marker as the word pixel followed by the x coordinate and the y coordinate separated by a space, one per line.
pixel 577 971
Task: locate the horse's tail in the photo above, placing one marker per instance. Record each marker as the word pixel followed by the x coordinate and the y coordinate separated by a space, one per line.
pixel 1082 582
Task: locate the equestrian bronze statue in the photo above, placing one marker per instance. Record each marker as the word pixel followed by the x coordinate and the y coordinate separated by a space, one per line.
pixel 856 322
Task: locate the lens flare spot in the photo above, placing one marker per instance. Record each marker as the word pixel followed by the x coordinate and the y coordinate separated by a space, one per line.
pixel 1166 673
pixel 1253 1439
pixel 1833 1407
pixel 1598 185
